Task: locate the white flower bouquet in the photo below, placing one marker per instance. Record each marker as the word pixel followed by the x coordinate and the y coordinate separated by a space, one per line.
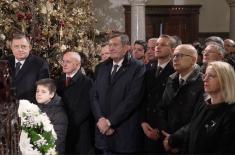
pixel 38 135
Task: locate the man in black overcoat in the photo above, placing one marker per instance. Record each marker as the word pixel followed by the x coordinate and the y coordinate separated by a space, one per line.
pixel 155 82
pixel 74 88
pixel 116 97
pixel 183 91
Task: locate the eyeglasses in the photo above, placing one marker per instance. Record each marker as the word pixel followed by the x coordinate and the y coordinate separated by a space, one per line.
pixel 209 76
pixel 63 62
pixel 23 47
pixel 180 55
pixel 209 52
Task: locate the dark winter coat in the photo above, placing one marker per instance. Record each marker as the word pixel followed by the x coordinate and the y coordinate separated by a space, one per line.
pixel 119 102
pixel 212 130
pixel 178 103
pixel 58 117
pixel 154 88
pixel 76 100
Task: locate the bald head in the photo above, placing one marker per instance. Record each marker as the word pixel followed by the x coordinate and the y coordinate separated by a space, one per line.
pixel 184 58
pixel 187 49
pixel 71 62
pixel 228 44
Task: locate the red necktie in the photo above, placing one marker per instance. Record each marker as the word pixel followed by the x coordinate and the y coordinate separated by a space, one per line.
pixel 68 81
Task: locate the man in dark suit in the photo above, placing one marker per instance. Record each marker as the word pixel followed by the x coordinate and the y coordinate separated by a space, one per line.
pixel 150 54
pixel 74 88
pixel 116 100
pixel 155 82
pixel 26 68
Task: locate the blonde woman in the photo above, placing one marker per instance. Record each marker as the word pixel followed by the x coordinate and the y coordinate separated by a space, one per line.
pixel 212 129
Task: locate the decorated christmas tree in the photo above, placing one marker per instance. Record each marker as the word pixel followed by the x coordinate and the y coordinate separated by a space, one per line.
pixel 53 26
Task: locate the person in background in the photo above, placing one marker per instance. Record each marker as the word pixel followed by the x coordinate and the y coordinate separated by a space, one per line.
pixel 199 49
pixel 26 68
pixel 155 82
pixel 139 50
pixel 212 128
pixel 74 88
pixel 177 39
pixel 51 104
pixel 212 52
pixel 228 44
pixel 104 53
pixel 150 54
pixel 214 39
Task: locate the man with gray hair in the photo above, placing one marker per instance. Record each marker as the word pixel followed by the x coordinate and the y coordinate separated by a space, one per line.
pixel 150 53
pixel 74 88
pixel 116 97
pixel 183 90
pixel 212 52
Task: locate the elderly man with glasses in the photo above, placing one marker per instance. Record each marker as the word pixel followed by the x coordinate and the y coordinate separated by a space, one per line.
pixel 212 52
pixel 183 90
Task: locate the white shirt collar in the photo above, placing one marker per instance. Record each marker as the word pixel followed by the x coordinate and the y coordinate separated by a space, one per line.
pixel 164 64
pixel 119 63
pixel 22 62
pixel 72 75
pixel 186 76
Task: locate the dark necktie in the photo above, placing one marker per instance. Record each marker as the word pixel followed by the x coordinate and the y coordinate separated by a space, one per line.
pixel 68 81
pixel 158 71
pixel 115 67
pixel 181 82
pixel 17 69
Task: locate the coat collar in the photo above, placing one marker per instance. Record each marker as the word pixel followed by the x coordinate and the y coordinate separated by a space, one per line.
pixel 192 77
pixel 109 62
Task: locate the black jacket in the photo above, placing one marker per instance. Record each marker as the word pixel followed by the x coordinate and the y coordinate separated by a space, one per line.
pixel 56 113
pixel 33 69
pixel 119 101
pixel 178 103
pixel 154 88
pixel 76 100
pixel 212 130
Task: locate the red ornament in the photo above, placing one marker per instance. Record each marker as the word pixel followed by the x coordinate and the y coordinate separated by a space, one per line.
pixel 61 23
pixel 20 16
pixel 28 16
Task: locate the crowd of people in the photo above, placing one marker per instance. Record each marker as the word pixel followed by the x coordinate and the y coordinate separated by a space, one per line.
pixel 156 97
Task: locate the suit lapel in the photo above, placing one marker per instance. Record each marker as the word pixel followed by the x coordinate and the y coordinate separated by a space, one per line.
pixel 119 73
pixel 24 68
pixel 122 69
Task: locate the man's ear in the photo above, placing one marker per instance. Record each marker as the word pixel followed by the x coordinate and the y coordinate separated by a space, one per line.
pixel 30 46
pixel 52 94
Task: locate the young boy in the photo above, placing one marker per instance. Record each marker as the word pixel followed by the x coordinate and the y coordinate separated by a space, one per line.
pixel 51 104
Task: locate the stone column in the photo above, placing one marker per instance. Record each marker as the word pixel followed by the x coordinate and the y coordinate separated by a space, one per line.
pixel 137 20
pixel 232 19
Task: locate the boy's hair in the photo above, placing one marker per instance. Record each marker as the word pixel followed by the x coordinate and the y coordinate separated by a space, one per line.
pixel 49 83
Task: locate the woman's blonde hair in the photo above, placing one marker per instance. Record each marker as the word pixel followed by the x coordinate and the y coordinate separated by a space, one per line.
pixel 226 77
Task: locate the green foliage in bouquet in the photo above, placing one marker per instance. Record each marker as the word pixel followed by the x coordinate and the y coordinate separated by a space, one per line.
pixel 36 133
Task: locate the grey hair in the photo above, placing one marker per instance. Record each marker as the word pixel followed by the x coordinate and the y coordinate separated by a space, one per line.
pixel 123 37
pixel 218 47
